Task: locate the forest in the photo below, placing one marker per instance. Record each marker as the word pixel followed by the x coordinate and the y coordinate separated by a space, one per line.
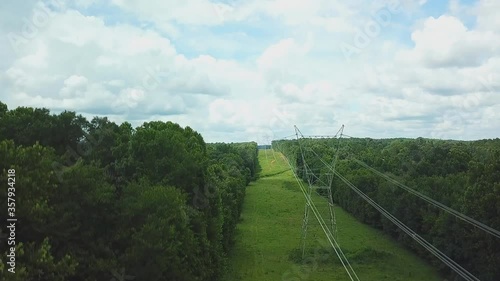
pixel 96 200
pixel 464 175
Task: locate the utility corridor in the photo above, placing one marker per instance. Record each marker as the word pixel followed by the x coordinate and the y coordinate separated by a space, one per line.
pixel 270 230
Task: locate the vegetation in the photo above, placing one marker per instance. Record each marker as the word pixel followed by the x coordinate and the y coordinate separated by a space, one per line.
pixel 267 244
pixel 95 199
pixel 101 201
pixel 462 175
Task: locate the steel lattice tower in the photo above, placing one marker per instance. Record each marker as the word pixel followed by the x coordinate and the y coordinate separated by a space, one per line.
pixel 328 186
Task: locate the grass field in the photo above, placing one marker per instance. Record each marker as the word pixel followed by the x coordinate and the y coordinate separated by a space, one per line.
pixel 270 231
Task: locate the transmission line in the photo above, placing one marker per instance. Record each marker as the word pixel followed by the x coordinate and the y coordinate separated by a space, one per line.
pixel 437 204
pixel 441 206
pixel 428 246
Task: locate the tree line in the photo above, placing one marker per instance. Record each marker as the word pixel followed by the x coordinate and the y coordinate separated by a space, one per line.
pixel 96 200
pixel 464 175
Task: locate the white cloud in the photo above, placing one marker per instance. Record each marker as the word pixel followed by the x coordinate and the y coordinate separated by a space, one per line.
pixel 252 69
pixel 129 98
pixel 487 15
pixel 446 42
pixel 74 86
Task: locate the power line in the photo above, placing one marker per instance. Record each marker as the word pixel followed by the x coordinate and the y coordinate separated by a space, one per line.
pixel 436 252
pixel 441 206
pixel 437 204
pixel 428 246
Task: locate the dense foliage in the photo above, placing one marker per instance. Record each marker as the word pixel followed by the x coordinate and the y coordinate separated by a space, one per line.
pixel 464 175
pixel 100 201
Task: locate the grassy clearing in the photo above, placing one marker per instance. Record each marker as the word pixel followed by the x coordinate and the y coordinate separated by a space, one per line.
pixel 268 238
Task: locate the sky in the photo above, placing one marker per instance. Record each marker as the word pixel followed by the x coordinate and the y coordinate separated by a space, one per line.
pixel 251 70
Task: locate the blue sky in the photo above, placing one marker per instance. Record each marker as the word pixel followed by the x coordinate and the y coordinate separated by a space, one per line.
pixel 250 70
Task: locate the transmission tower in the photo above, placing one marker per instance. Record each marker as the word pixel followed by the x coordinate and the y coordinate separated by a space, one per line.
pixel 310 175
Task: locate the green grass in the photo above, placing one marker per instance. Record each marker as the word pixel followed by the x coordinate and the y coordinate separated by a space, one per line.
pixel 268 238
